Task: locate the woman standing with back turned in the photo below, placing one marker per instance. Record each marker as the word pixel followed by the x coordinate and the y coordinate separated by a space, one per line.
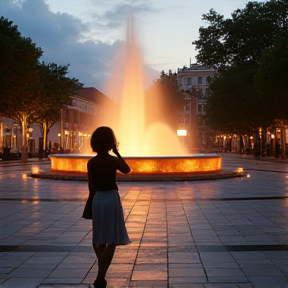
pixel 107 214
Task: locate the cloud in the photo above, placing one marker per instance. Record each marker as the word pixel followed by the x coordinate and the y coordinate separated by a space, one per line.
pixel 114 17
pixel 63 39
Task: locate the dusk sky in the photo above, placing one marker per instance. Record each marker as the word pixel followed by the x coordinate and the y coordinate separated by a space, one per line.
pixel 86 33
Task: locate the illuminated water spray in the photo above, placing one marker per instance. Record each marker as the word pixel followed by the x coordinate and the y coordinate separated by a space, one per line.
pixel 135 136
pixel 131 124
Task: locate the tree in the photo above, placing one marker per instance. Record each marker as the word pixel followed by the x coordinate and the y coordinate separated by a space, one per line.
pixel 235 47
pixel 231 108
pixel 18 77
pixel 271 78
pixel 243 37
pixel 164 100
pixel 272 86
pixel 55 91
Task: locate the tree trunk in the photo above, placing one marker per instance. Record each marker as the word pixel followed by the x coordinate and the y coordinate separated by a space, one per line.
pixel 44 138
pixel 24 153
pixel 283 142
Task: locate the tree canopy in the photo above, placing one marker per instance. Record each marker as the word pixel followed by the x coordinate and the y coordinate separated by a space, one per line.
pixel 245 36
pixel 18 74
pixel 55 91
pixel 30 91
pixel 271 78
pixel 236 46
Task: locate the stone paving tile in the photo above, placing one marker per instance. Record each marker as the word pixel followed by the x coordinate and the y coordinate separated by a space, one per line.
pixel 228 285
pixel 186 270
pixel 196 281
pixel 142 272
pixel 183 257
pixel 269 282
pixel 63 286
pixel 62 281
pixel 148 284
pixel 32 282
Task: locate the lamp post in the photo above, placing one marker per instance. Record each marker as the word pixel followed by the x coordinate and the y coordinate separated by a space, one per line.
pixel 59 136
pixel 66 145
pixel 80 141
pixel 29 131
pixel 272 143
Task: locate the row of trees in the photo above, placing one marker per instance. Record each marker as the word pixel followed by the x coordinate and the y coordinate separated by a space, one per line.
pixel 250 51
pixel 31 91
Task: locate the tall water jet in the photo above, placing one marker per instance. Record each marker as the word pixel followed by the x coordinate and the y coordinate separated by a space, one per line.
pixel 131 127
pixel 131 123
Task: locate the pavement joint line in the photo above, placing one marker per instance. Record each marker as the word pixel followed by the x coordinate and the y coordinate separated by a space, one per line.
pixel 200 248
pixel 265 170
pixel 152 200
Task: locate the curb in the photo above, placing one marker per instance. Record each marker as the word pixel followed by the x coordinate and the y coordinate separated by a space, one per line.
pixel 143 177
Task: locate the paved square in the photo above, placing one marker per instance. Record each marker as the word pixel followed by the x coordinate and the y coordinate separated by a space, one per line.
pixel 219 233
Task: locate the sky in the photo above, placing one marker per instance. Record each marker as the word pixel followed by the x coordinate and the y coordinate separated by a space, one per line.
pixel 86 34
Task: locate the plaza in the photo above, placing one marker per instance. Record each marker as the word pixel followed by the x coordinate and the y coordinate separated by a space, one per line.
pixel 203 234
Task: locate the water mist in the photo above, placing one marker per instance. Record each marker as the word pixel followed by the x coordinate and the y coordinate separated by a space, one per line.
pixel 135 136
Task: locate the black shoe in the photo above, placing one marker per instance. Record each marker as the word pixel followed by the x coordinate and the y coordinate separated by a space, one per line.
pixel 100 283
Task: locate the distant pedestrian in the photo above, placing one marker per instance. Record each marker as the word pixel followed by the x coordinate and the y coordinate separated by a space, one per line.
pixel 103 204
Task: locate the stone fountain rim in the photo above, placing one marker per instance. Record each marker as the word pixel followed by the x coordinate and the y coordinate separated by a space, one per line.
pixel 88 156
pixel 144 177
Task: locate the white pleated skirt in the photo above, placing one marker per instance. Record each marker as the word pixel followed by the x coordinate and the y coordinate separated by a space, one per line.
pixel 108 220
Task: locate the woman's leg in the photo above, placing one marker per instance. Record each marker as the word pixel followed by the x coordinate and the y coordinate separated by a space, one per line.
pixel 98 249
pixel 104 259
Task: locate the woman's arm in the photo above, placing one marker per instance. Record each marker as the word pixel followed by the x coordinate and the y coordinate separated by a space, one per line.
pixel 91 185
pixel 124 167
pixel 87 213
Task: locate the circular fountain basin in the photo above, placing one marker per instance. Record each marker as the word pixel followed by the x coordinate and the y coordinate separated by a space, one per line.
pixel 176 168
pixel 77 163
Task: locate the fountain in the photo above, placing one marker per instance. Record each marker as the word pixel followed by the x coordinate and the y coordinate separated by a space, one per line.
pixel 153 152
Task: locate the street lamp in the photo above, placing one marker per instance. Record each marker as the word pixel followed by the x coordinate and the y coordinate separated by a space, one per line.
pixel 59 136
pixel 182 132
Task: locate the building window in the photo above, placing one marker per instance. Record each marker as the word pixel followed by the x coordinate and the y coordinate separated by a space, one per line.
pixel 200 109
pixel 200 80
pixel 188 81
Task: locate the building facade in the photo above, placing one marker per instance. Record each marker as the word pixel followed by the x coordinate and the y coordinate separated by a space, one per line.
pixel 78 121
pixel 70 135
pixel 194 82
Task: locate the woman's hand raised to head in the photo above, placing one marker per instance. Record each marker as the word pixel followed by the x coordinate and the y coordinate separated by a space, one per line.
pixel 115 150
pixel 124 167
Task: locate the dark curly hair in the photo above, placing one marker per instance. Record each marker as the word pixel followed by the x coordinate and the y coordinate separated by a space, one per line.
pixel 103 139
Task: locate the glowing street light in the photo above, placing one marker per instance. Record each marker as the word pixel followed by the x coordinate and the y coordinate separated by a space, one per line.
pixel 182 132
pixel 59 136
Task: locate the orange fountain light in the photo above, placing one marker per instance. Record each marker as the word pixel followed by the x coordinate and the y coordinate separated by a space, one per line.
pixel 143 165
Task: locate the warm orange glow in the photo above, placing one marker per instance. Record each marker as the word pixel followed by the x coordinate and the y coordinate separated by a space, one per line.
pixel 136 132
pixel 24 176
pixel 239 170
pixel 35 170
pixel 143 165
